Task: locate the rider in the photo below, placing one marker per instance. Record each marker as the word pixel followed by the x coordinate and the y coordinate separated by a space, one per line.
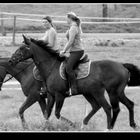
pixel 50 37
pixel 75 48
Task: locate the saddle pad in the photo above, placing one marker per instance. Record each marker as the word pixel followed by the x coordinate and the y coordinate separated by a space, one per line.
pixel 36 74
pixel 83 70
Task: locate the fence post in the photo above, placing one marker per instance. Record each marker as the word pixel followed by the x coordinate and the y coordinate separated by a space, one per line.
pixel 105 11
pixel 2 26
pixel 14 30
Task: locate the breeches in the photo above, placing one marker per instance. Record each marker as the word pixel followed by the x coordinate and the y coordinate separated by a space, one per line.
pixel 72 61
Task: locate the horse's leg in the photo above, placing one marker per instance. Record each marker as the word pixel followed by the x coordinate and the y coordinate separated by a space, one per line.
pixel 95 107
pixel 31 99
pixel 130 106
pixel 42 103
pixel 50 104
pixel 59 103
pixel 115 107
pixel 99 96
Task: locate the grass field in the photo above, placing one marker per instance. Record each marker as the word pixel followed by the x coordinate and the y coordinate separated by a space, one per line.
pixel 74 107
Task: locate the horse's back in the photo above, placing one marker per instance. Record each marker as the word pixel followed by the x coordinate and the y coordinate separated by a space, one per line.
pixel 109 65
pixel 108 69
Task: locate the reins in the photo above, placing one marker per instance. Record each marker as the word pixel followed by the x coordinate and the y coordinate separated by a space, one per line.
pixel 16 74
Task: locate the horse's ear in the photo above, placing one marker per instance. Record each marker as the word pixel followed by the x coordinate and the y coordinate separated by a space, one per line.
pixel 26 40
pixel 24 37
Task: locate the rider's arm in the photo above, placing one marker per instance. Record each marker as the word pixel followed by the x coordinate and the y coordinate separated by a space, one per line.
pixel 72 33
pixel 44 38
pixel 51 38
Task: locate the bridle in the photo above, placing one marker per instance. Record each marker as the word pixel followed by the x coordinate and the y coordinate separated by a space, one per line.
pixel 16 74
pixel 37 63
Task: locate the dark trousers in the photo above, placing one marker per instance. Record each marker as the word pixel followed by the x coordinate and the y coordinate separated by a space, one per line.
pixel 72 60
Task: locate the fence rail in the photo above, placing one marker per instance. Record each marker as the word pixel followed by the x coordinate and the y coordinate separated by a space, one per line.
pixel 88 22
pixel 15 18
pixel 38 15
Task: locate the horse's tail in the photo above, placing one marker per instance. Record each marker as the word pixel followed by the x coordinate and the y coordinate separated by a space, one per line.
pixel 134 74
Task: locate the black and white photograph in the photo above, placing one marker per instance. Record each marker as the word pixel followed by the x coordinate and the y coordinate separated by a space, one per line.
pixel 70 67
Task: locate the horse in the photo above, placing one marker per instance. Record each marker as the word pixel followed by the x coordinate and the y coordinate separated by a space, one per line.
pixel 23 73
pixel 104 75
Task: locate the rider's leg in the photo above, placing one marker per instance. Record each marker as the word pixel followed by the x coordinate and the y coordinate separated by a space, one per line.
pixel 73 58
pixel 43 90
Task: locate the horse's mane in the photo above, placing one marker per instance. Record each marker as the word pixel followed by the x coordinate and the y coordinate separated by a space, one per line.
pixel 44 45
pixel 134 74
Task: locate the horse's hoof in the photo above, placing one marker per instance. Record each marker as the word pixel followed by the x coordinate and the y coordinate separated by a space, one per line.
pixel 25 126
pixel 83 126
pixel 108 130
pixel 46 126
pixel 136 128
pixel 73 125
pixel 85 122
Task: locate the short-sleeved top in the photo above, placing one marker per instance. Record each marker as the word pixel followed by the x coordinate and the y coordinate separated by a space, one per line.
pixel 51 37
pixel 77 44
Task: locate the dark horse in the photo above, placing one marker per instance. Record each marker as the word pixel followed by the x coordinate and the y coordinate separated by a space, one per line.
pixel 22 72
pixel 104 75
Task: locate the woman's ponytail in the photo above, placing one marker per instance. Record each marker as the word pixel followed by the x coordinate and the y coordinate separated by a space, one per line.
pixel 78 22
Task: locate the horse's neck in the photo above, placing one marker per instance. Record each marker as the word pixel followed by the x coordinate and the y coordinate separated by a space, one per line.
pixel 15 71
pixel 22 71
pixel 46 67
pixel 43 60
pixel 5 64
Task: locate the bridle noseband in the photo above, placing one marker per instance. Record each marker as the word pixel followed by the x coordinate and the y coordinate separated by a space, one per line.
pixel 16 74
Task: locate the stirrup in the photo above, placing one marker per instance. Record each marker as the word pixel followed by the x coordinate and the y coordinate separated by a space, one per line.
pixel 43 91
pixel 69 93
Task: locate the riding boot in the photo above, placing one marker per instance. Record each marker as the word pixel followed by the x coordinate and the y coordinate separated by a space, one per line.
pixel 43 91
pixel 73 84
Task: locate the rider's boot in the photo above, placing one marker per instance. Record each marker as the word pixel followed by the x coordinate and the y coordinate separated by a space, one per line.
pixel 73 84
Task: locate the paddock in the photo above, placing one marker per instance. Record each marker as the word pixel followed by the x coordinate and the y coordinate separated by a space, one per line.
pixel 75 108
pixel 121 47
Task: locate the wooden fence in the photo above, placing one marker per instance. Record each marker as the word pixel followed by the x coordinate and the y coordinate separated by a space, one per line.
pixel 14 17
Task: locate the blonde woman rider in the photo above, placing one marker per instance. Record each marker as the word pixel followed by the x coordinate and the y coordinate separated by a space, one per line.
pixel 74 47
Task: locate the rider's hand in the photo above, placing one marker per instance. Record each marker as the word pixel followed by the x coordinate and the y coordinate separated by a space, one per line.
pixel 62 53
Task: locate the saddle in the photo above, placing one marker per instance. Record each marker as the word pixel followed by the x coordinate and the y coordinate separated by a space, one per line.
pixel 36 74
pixel 81 68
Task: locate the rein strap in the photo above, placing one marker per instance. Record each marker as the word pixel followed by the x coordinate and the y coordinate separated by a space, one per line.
pixel 16 74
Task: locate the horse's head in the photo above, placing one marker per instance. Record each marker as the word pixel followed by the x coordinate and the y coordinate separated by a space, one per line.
pixel 22 53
